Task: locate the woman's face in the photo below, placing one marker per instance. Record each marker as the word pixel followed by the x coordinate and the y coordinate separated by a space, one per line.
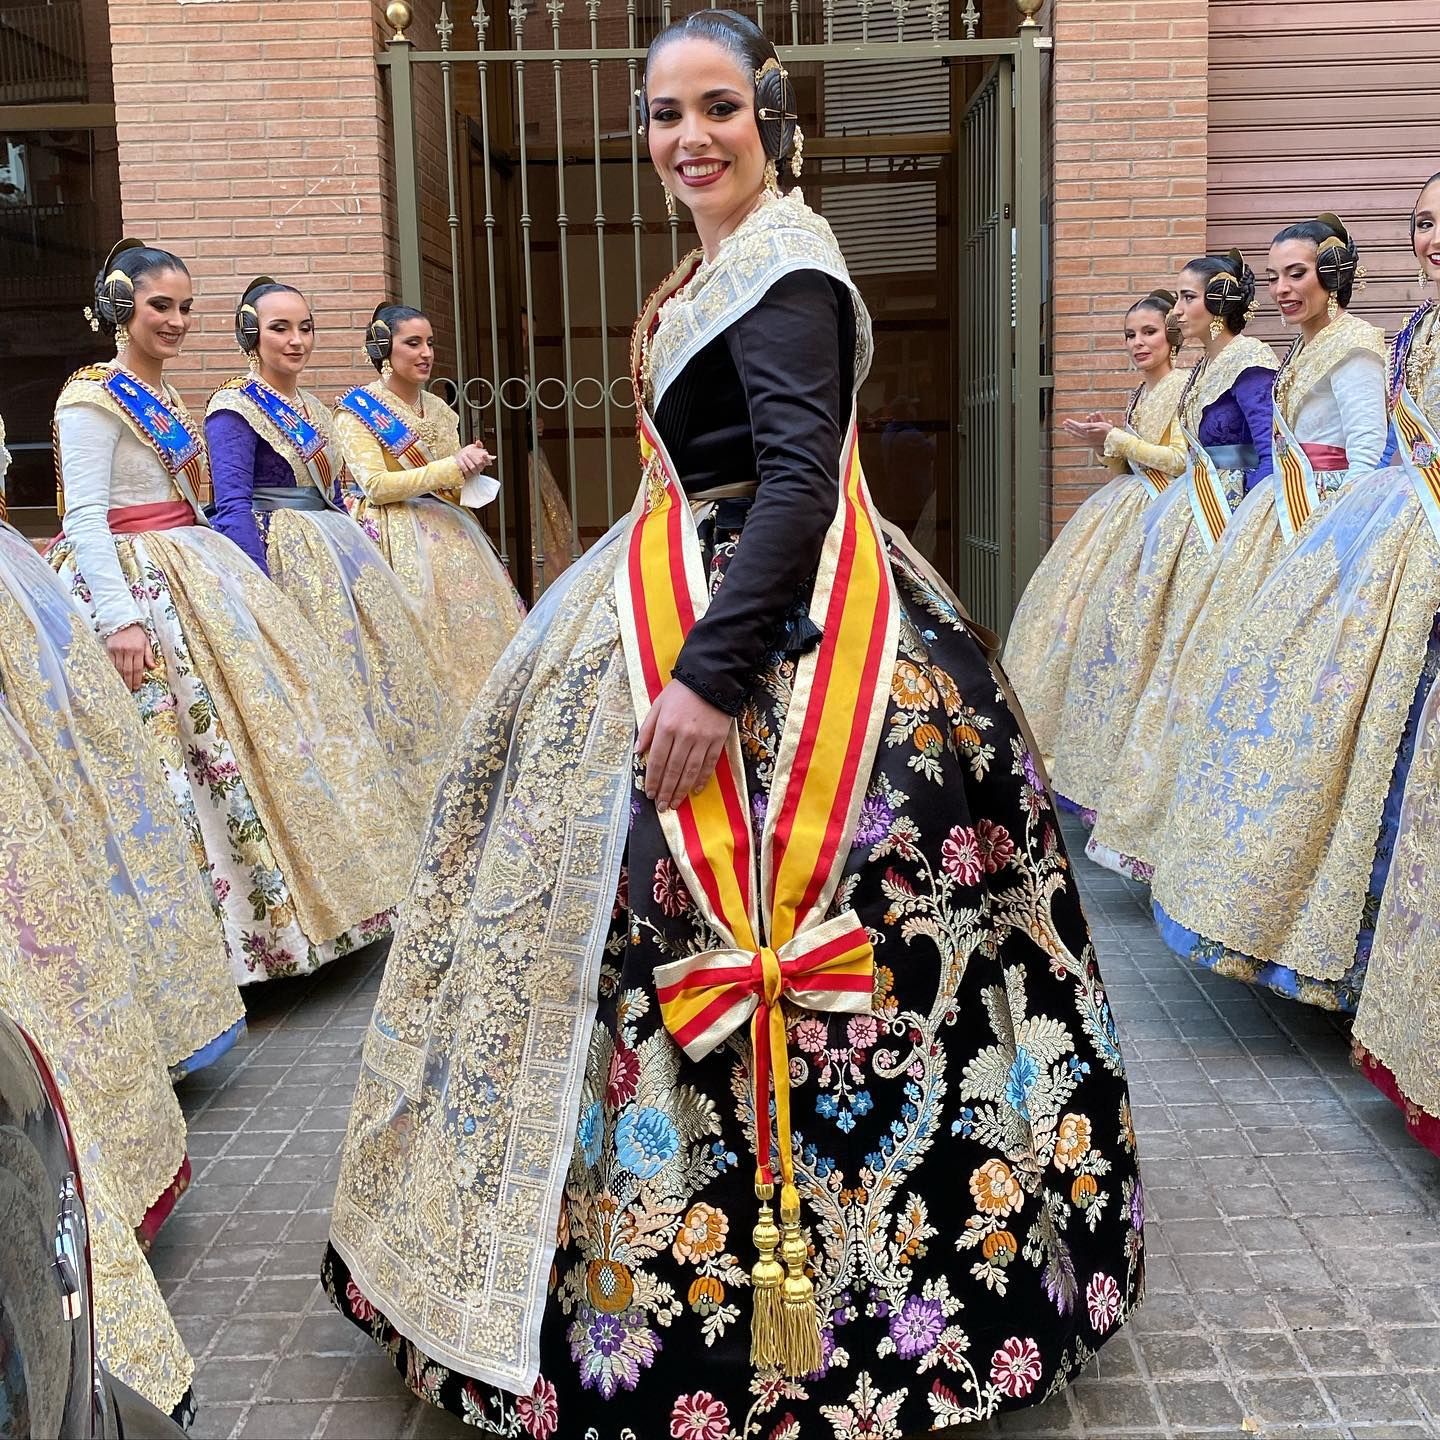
pixel 704 142
pixel 412 351
pixel 1190 308
pixel 1295 283
pixel 1427 231
pixel 287 334
pixel 1146 340
pixel 163 301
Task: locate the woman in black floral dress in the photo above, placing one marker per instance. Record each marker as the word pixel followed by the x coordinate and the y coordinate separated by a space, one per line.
pixel 549 1187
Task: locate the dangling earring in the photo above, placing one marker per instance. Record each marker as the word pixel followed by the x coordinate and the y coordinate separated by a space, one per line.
pixel 1174 351
pixel 252 360
pixel 669 201
pixel 122 337
pixel 1216 326
pixel 1332 306
pixel 772 178
pixel 1423 277
pixel 386 369
pixel 797 153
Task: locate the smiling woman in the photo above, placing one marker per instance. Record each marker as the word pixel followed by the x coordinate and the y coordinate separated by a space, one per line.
pixel 743 818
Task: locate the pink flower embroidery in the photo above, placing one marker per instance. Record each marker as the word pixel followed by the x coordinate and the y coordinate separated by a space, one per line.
pixel 811 1036
pixel 360 1307
pixel 1102 1295
pixel 699 1417
pixel 996 847
pixel 863 1031
pixel 539 1411
pixel 670 892
pixel 960 855
pixel 624 1077
pixel 1015 1367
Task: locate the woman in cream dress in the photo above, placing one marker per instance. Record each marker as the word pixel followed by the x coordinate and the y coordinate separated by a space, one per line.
pixel 409 483
pixel 1330 424
pixel 1154 584
pixel 1278 843
pixel 1144 454
pixel 264 746
pixel 77 723
pixel 72 938
pixel 277 472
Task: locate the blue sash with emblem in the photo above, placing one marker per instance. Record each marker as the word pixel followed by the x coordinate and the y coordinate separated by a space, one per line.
pixel 387 427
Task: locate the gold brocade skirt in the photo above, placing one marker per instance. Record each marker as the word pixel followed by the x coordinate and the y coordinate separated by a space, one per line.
pixel 66 977
pixel 1270 841
pixel 1133 808
pixel 468 608
pixel 280 776
pixel 341 584
pixel 1046 628
pixel 63 693
pixel 1155 573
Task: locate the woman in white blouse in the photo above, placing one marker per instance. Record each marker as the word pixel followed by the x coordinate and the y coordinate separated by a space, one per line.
pixel 286 790
pixel 1330 424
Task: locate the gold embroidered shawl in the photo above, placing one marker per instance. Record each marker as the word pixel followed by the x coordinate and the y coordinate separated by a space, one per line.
pixel 1210 379
pixel 311 407
pixel 1310 362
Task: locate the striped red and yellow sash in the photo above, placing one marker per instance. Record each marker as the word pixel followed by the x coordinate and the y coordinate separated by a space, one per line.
pixel 1208 500
pixel 1297 494
pixel 1420 454
pixel 777 944
pixel 1157 482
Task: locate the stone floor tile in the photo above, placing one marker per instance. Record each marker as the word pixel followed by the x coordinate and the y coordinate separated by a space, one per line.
pixel 288 1421
pixel 1287 1400
pixel 1260 1352
pixel 1115 1405
pixel 216 1422
pixel 1413 1349
pixel 1371 1397
pixel 236 1382
pixel 369 1419
pixel 306 1377
pixel 1199 1402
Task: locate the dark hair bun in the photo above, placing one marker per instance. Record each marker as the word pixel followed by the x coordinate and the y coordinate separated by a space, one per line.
pixel 1337 260
pixel 380 332
pixel 1230 291
pixel 247 317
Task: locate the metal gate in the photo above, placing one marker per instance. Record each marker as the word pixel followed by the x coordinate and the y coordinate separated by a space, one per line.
pixel 531 227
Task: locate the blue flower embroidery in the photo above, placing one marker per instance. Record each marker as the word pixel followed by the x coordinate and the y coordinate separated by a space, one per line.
pixel 1024 1072
pixel 591 1133
pixel 645 1141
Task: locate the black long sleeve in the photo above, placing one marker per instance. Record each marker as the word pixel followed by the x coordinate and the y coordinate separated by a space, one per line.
pixel 792 355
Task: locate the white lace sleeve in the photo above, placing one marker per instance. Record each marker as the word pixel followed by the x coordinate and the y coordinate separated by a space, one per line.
pixel 88 437
pixel 1358 384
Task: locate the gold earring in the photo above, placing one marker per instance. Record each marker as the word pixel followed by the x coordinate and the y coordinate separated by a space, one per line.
pixel 252 359
pixel 1216 326
pixel 669 201
pixel 122 337
pixel 797 153
pixel 386 369
pixel 772 178
pixel 1332 306
pixel 1423 277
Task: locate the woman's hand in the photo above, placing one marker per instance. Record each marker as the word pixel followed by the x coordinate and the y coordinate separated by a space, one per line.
pixel 682 738
pixel 471 458
pixel 1092 430
pixel 131 654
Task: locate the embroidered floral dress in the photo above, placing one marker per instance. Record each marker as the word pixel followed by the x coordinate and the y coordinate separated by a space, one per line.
pixel 265 749
pixel 1279 833
pixel 407 500
pixel 1331 424
pixel 545 1207
pixel 277 472
pixel 1154 584
pixel 1144 456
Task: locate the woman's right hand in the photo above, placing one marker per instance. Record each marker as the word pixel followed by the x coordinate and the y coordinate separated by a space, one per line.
pixel 471 458
pixel 131 654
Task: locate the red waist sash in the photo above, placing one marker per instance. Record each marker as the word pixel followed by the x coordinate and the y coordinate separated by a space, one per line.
pixel 159 515
pixel 1325 457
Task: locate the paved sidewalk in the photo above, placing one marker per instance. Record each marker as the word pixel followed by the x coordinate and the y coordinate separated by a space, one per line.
pixel 1294 1233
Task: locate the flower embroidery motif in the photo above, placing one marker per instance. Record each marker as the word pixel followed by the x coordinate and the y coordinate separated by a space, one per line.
pixel 701 1235
pixel 669 888
pixel 1015 1367
pixel 960 855
pixel 997 849
pixel 1102 1296
pixel 699 1417
pixel 645 1141
pixel 916 1327
pixel 1072 1142
pixel 995 1188
pixel 539 1411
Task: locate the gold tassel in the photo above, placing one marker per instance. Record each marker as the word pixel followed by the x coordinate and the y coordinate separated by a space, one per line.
pixel 800 1352
pixel 767 1277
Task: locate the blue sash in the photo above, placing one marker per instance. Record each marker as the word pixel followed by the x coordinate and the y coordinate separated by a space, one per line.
pixel 156 421
pixel 301 434
pixel 386 426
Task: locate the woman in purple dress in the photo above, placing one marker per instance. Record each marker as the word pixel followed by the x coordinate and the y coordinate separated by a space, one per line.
pixel 277 471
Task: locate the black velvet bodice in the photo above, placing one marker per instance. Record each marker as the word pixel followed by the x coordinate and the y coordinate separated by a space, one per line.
pixel 768 401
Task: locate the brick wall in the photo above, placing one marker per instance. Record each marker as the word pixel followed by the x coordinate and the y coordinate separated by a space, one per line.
pixel 1129 194
pixel 250 140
